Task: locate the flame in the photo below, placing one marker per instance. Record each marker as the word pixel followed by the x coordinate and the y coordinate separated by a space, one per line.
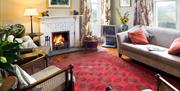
pixel 58 40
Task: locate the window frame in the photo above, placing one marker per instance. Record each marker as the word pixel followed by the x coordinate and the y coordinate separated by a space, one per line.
pixel 155 19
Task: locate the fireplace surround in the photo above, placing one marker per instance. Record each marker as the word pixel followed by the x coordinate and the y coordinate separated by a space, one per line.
pixel 53 24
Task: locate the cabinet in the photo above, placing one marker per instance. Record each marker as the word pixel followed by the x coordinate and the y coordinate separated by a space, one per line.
pixel 109 35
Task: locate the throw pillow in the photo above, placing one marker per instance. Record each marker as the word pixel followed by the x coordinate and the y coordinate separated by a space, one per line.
pixel 149 36
pixel 138 37
pixel 24 78
pixel 175 47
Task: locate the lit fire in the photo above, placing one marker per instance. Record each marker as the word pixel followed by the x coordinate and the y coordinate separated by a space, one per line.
pixel 58 40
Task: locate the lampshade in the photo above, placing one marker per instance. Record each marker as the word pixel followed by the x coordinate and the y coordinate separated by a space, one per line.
pixel 30 12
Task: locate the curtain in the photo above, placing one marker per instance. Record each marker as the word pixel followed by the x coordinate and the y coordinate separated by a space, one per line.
pixel 105 12
pixel 143 12
pixel 85 11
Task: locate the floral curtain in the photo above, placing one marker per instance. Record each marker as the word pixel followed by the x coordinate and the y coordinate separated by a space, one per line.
pixel 105 12
pixel 85 11
pixel 143 12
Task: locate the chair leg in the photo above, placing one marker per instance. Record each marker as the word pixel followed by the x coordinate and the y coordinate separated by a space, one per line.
pixel 109 88
pixel 120 55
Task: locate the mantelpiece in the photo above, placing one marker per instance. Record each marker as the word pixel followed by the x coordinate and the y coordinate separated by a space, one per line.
pixel 51 24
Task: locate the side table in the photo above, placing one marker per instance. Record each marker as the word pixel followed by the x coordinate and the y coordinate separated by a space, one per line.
pixel 90 44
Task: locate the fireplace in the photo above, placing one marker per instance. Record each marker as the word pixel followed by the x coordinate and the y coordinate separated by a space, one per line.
pixel 60 40
pixel 52 24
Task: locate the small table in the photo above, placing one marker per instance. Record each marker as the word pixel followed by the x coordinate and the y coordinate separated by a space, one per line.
pixel 90 44
pixel 8 83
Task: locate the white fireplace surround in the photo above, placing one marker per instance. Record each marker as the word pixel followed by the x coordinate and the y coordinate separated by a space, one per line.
pixel 48 25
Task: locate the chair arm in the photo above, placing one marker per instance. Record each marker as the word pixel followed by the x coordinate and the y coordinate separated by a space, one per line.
pixel 26 50
pixel 69 85
pixel 29 58
pixel 32 62
pixel 160 80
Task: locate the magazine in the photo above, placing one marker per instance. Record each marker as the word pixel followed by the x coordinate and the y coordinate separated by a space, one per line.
pixel 155 48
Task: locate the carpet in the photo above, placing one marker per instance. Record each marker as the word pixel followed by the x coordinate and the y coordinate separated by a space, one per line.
pixel 95 71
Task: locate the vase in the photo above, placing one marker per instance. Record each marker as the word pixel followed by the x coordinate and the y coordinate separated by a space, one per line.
pixel 124 27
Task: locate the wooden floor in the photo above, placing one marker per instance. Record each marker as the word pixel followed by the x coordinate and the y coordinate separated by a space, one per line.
pixel 100 48
pixel 113 51
pixel 110 50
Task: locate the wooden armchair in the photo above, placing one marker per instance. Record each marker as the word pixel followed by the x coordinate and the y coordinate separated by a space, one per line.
pixel 47 78
pixel 163 85
pixel 56 80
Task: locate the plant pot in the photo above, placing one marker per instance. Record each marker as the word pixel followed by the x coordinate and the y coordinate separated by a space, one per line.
pixel 124 27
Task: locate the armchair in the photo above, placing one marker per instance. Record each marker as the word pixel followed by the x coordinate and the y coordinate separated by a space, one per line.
pixel 58 80
pixel 163 85
pixel 49 79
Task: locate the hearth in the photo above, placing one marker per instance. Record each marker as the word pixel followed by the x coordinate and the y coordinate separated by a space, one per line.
pixel 60 40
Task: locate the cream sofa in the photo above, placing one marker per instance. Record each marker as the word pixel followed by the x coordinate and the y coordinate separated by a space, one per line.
pixel 159 59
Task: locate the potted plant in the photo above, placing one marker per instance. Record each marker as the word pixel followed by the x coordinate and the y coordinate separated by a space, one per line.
pixel 9 50
pixel 124 20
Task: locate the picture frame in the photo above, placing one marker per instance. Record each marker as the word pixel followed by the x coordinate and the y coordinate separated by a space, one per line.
pixel 59 3
pixel 125 3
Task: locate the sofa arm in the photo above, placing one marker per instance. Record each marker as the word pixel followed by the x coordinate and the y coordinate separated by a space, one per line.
pixel 121 37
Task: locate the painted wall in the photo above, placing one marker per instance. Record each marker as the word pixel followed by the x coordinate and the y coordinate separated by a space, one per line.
pixel 115 16
pixel 12 11
pixel 178 15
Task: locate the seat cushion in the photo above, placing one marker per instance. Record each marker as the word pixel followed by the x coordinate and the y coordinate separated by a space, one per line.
pixel 45 72
pixel 161 56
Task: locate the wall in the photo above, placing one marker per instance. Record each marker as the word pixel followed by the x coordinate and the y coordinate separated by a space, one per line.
pixel 178 15
pixel 115 16
pixel 11 11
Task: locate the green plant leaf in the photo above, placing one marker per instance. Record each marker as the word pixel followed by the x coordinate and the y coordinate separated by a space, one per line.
pixel 8 67
pixel 10 45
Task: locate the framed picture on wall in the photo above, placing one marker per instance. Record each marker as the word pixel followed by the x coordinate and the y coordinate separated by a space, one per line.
pixel 59 3
pixel 125 3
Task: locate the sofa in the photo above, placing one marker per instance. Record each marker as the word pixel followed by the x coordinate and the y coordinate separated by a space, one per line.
pixel 161 39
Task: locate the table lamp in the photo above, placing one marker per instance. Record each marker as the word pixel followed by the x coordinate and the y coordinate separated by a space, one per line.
pixel 31 12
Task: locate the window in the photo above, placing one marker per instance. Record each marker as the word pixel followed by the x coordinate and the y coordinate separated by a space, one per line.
pixel 96 17
pixel 165 13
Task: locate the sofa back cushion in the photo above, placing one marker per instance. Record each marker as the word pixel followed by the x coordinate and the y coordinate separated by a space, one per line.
pixel 163 37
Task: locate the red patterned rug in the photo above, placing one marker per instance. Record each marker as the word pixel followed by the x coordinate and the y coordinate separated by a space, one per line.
pixel 96 70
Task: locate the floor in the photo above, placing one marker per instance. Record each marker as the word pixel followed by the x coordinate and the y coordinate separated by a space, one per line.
pixel 100 48
pixel 112 51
